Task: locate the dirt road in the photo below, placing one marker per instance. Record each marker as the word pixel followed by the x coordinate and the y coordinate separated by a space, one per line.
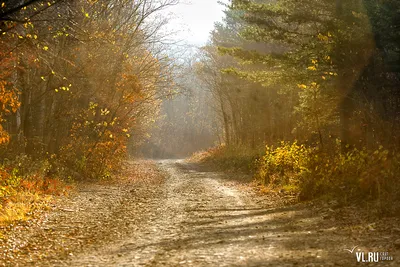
pixel 200 218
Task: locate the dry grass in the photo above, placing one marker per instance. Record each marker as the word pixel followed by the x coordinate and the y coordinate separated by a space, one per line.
pixel 21 196
pixel 22 206
pixel 27 197
pixel 229 159
pixel 202 156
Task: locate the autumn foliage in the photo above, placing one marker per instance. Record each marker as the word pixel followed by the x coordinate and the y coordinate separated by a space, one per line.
pixel 9 102
pixel 311 172
pixel 79 87
pixel 80 84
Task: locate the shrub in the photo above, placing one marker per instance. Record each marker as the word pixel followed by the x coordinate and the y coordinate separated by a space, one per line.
pixel 96 148
pixel 280 164
pixel 315 172
pixel 25 186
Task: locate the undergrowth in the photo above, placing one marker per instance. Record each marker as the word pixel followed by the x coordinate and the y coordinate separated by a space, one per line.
pixel 229 158
pixel 26 186
pixel 309 172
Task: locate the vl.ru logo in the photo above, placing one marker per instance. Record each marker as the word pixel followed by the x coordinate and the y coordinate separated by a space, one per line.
pixel 367 257
pixel 362 256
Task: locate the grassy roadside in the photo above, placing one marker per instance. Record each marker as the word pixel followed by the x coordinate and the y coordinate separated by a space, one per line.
pixel 94 213
pixel 24 193
pixel 308 173
pixel 229 159
pixel 26 188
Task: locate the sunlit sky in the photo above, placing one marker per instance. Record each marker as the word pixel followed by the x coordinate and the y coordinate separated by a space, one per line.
pixel 194 19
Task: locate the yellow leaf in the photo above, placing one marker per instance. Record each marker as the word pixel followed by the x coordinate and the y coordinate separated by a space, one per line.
pixel 313 68
pixel 3 4
pixel 323 37
pixel 302 86
pixel 45 48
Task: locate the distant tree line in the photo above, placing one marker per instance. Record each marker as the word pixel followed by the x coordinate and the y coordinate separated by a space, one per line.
pixel 186 122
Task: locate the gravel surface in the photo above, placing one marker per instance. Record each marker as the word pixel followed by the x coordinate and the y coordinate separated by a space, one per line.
pixel 188 216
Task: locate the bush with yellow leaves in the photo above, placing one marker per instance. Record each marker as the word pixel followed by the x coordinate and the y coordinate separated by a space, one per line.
pixel 311 172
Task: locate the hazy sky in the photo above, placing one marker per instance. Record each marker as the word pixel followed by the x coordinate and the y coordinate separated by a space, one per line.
pixel 194 19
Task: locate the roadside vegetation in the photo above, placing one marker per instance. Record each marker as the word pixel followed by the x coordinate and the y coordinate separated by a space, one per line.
pixel 76 219
pixel 230 159
pixel 26 189
pixel 308 172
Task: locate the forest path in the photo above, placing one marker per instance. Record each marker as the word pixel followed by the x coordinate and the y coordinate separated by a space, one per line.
pixel 201 218
pixel 191 216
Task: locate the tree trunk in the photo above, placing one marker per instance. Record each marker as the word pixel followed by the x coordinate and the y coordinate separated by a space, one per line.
pixel 342 89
